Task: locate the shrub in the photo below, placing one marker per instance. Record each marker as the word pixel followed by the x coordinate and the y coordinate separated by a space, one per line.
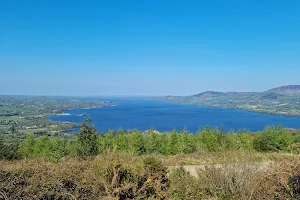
pixel 114 176
pixel 281 182
pixel 272 139
pixel 183 185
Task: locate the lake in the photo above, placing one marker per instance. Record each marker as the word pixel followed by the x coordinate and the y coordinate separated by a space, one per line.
pixel 164 116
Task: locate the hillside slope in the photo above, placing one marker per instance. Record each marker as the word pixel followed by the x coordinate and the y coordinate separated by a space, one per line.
pixel 284 100
pixel 288 89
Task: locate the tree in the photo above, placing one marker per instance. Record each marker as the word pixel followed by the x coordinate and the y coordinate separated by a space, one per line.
pixel 121 141
pixel 173 143
pixel 136 143
pixel 106 141
pixel 232 141
pixel 152 141
pixel 284 138
pixel 71 148
pixel 87 139
pixel 246 139
pixel 43 147
pixel 296 137
pixel 27 146
pixel 8 151
pixel 162 141
pixel 59 148
pixel 272 139
pixel 2 148
pixel 187 143
pixel 210 139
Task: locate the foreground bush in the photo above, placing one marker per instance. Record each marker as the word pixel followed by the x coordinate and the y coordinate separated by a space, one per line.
pixel 110 177
pixel 272 139
pixel 279 179
pixel 282 182
pixel 233 175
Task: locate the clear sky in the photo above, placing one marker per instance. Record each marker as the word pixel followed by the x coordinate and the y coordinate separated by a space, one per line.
pixel 155 47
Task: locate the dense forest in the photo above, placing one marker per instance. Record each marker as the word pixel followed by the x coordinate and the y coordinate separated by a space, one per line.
pixel 151 165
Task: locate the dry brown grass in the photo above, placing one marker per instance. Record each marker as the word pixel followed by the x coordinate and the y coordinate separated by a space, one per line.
pixel 230 179
pixel 281 182
pixel 114 176
pixel 219 175
pixel 275 176
pixel 219 157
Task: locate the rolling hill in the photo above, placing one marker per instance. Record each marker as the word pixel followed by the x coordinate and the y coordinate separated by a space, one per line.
pixel 284 100
pixel 288 89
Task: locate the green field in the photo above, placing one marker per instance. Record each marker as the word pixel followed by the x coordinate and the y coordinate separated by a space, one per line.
pixel 27 114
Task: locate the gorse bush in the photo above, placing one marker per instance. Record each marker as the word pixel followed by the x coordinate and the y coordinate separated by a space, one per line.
pixel 112 176
pixel 123 176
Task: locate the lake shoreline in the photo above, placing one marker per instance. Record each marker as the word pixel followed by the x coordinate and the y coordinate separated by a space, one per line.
pixel 166 116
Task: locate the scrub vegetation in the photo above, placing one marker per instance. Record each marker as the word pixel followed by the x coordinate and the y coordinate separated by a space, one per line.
pixel 210 164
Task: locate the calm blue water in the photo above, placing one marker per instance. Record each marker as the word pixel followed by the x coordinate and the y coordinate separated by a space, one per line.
pixel 144 114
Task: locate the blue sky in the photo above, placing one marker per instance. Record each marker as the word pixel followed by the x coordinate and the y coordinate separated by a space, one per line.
pixel 147 47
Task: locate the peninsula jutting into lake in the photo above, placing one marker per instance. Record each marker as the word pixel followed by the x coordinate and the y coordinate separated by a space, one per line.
pixel 28 114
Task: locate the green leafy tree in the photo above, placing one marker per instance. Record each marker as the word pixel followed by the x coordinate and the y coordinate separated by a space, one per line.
pixel 152 142
pixel 173 143
pixel 121 141
pixel 284 138
pixel 187 142
pixel 106 142
pixel 246 139
pixel 3 148
pixel 26 149
pixel 101 144
pixel 272 139
pixel 42 147
pixel 8 151
pixel 209 139
pixel 136 143
pixel 296 137
pixel 71 148
pixel 232 141
pixel 87 139
pixel 59 148
pixel 162 141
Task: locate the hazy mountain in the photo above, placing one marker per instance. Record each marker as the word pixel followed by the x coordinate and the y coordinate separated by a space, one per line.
pixel 288 89
pixel 284 100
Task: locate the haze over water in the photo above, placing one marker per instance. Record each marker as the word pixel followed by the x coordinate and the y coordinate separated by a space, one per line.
pixel 144 114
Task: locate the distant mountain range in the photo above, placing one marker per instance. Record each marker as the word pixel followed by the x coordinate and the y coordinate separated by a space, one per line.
pixel 284 100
